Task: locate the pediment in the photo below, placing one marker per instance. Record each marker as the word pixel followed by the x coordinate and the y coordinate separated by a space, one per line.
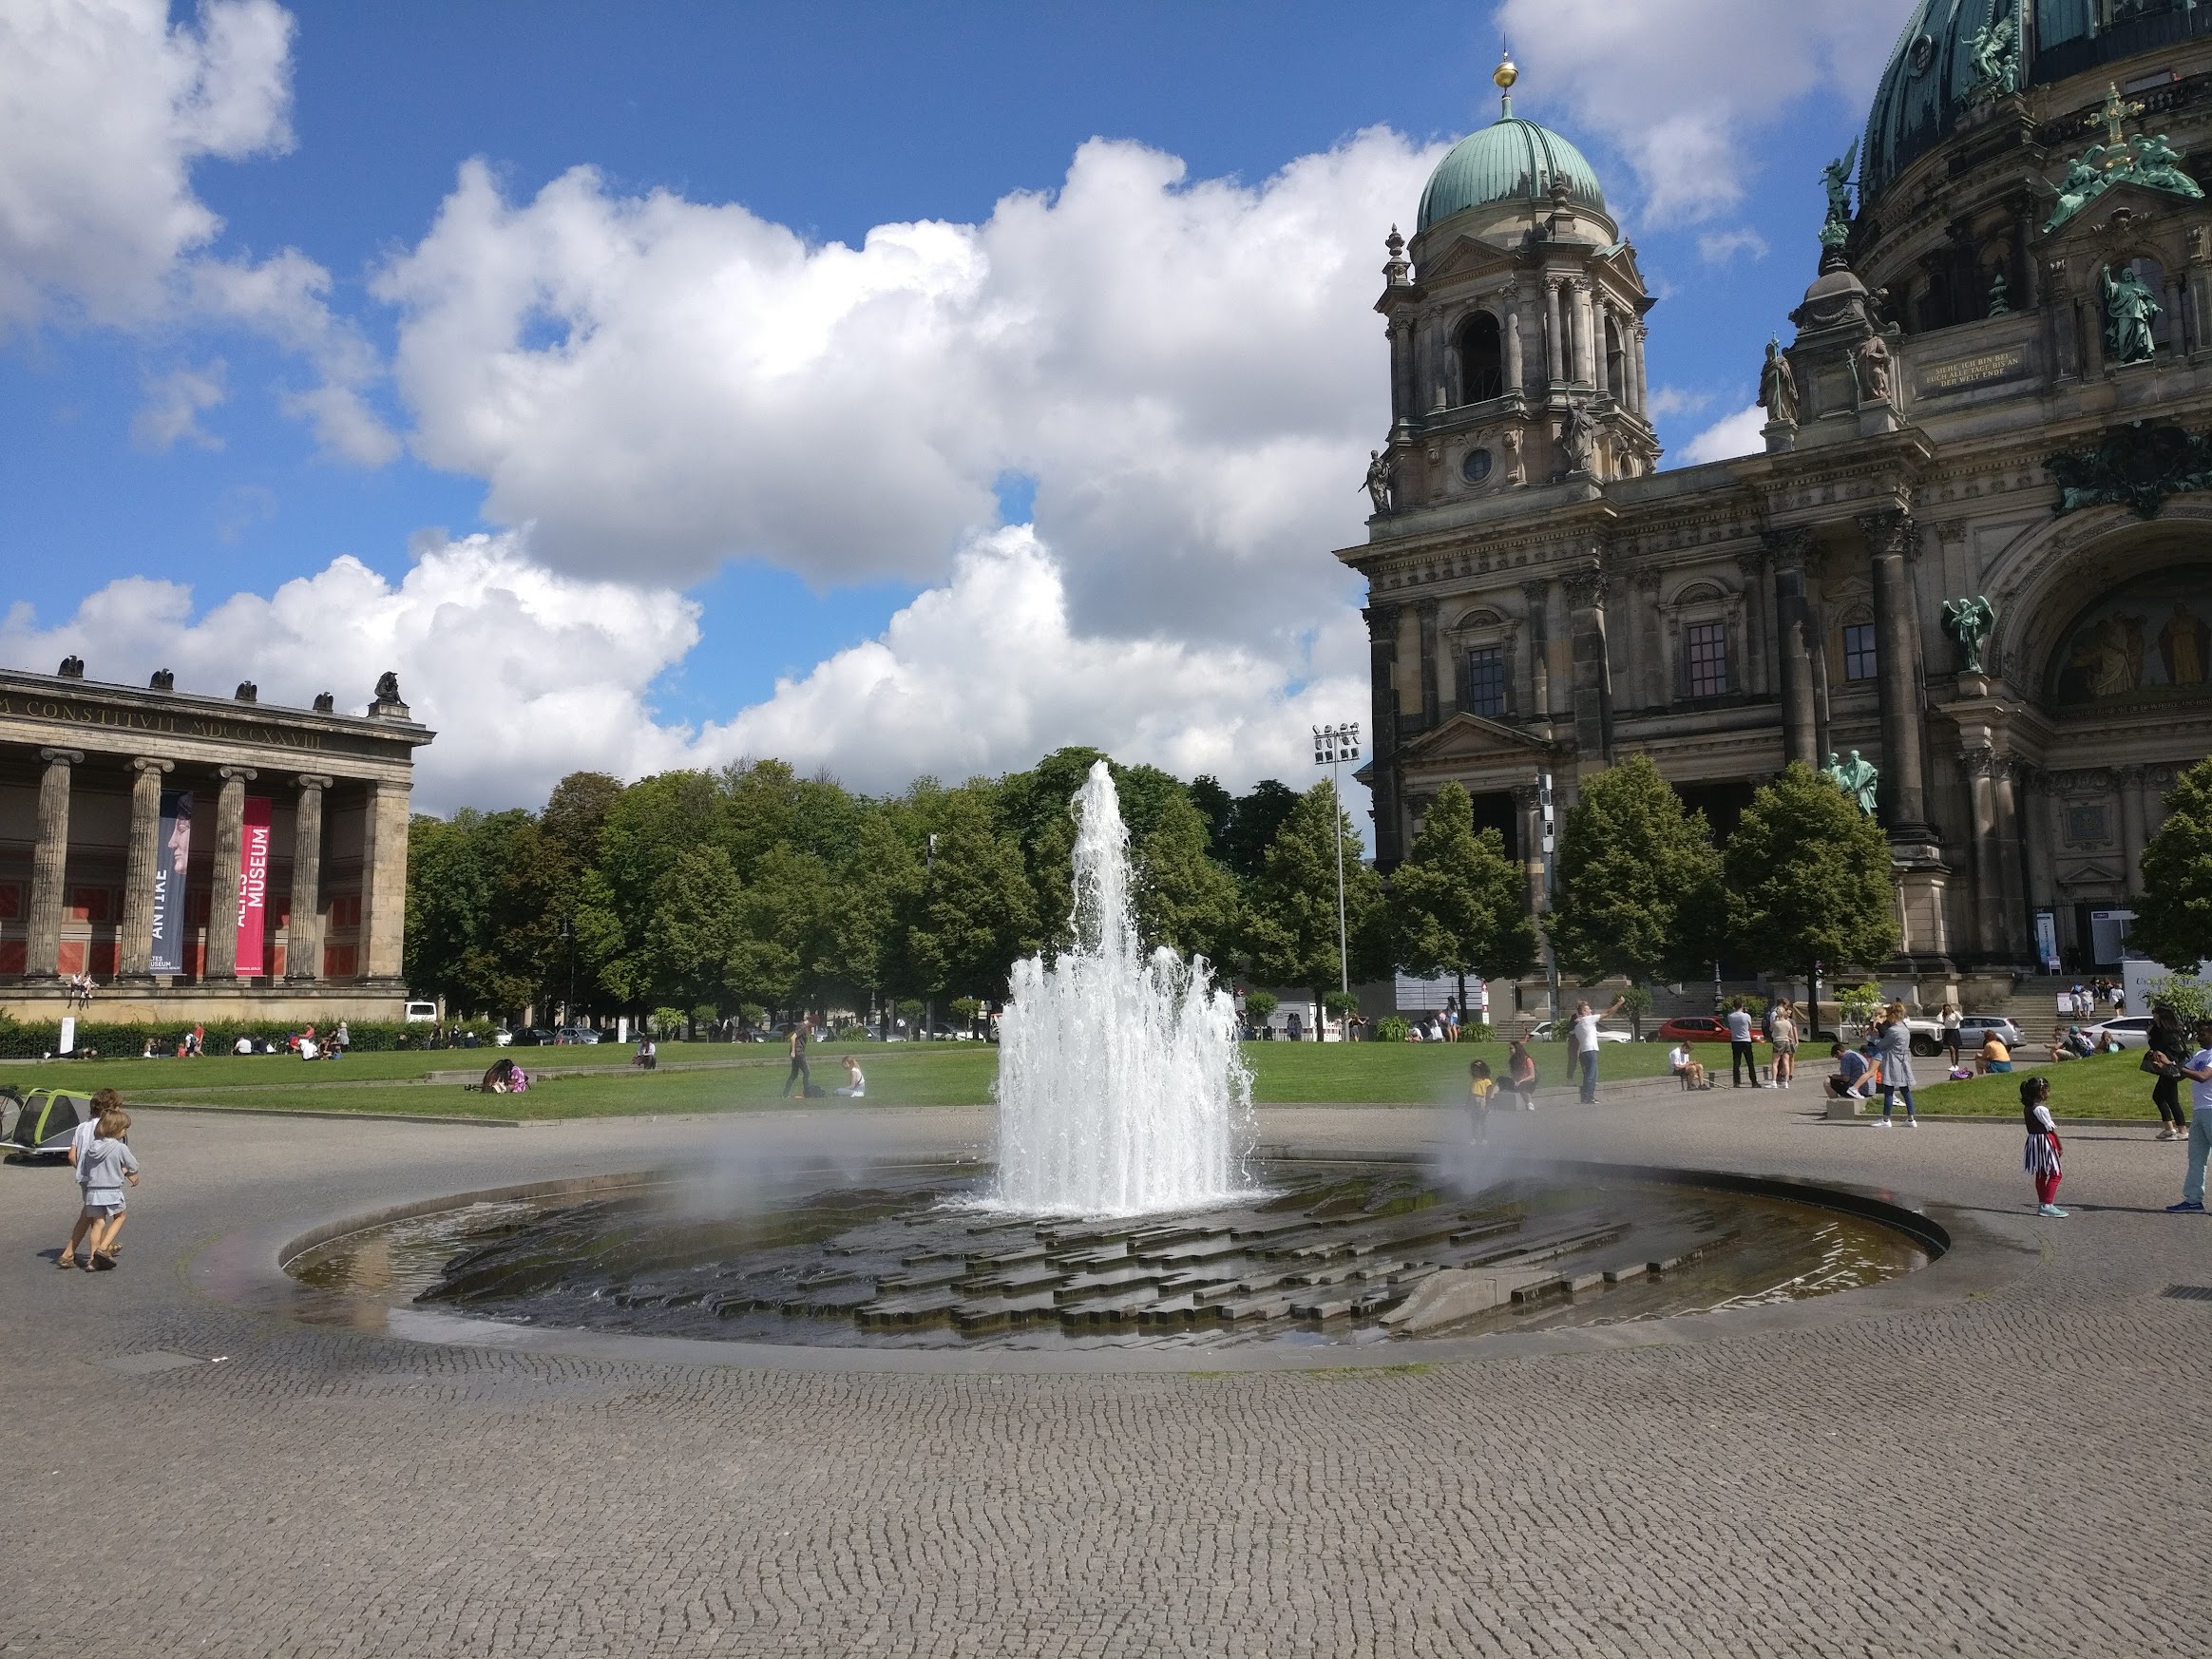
pixel 1465 737
pixel 2088 873
pixel 2117 212
pixel 1467 256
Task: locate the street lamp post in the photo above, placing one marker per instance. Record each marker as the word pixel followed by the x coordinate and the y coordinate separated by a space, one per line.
pixel 1334 746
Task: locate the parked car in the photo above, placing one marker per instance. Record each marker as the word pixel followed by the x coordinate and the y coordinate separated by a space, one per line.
pixel 1555 1030
pixel 571 1034
pixel 1697 1028
pixel 2129 1031
pixel 1974 1031
pixel 532 1036
pixel 420 1013
pixel 501 1038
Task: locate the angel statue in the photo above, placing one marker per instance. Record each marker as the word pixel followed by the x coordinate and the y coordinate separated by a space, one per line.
pixel 1778 390
pixel 2129 311
pixel 1836 176
pixel 1969 621
pixel 1996 51
pixel 1377 485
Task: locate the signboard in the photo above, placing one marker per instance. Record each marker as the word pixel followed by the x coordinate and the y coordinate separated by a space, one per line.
pixel 1416 995
pixel 2108 935
pixel 2047 940
pixel 253 886
pixel 171 853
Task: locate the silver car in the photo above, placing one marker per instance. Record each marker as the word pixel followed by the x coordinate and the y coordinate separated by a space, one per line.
pixel 2129 1031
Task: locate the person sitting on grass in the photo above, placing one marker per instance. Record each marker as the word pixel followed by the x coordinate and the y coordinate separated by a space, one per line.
pixel 855 1083
pixel 1685 1065
pixel 2075 1045
pixel 1996 1057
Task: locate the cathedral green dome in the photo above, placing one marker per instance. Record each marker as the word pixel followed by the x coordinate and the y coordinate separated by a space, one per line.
pixel 1511 159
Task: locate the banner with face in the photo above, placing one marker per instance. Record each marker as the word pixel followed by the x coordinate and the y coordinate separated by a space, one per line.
pixel 171 854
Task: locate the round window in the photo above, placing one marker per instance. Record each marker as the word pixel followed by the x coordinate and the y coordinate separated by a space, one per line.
pixel 1476 468
pixel 1923 54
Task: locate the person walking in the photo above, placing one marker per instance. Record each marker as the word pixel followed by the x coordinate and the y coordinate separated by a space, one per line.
pixel 1740 1052
pixel 2198 1069
pixel 80 1140
pixel 1892 1048
pixel 1480 1086
pixel 1783 1034
pixel 2168 1049
pixel 1585 1033
pixel 107 1165
pixel 2041 1157
pixel 800 1072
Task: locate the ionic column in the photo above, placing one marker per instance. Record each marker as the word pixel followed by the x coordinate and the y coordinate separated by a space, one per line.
pixel 1800 732
pixel 304 933
pixel 42 956
pixel 1902 792
pixel 1513 348
pixel 383 881
pixel 136 953
pixel 230 849
pixel 1554 349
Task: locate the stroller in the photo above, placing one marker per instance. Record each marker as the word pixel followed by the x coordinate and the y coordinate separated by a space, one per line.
pixel 44 1123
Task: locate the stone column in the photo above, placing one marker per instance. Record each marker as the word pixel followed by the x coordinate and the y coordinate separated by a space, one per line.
pixel 1381 669
pixel 2176 342
pixel 1904 789
pixel 1538 597
pixel 2129 781
pixel 1579 293
pixel 1529 799
pixel 230 846
pixel 1979 764
pixel 50 865
pixel 383 882
pixel 1402 374
pixel 1554 349
pixel 1592 671
pixel 1513 348
pixel 304 932
pixel 1758 634
pixel 2042 874
pixel 1432 707
pixel 1801 735
pixel 1642 388
pixel 136 953
pixel 2015 932
pixel 1645 583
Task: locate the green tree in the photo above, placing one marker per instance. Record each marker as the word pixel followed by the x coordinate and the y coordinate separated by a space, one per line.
pixel 1254 822
pixel 2173 915
pixel 1809 879
pixel 1184 900
pixel 1291 914
pixel 1458 903
pixel 696 928
pixel 782 940
pixel 864 944
pixel 975 912
pixel 1639 881
pixel 454 874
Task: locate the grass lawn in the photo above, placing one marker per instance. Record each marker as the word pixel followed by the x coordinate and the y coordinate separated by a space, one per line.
pixel 901 1075
pixel 2105 1085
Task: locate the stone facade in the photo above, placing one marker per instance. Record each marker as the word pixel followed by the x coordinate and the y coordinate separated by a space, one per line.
pixel 84 766
pixel 1553 611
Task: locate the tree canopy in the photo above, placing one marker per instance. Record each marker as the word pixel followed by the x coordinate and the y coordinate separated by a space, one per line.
pixel 1458 905
pixel 1809 879
pixel 1639 881
pixel 2173 917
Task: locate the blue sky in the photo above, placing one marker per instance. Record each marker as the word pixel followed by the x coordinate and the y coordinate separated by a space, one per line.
pixel 672 541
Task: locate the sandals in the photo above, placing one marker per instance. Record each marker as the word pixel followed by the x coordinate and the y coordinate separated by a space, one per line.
pixel 67 1261
pixel 102 1262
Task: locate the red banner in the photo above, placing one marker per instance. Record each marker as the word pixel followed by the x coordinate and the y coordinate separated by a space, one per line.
pixel 253 886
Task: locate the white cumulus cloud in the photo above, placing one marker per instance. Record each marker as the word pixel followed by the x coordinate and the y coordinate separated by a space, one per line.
pixel 1738 434
pixel 1680 86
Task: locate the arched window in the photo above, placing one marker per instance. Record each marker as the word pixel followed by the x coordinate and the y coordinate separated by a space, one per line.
pixel 1616 362
pixel 1481 359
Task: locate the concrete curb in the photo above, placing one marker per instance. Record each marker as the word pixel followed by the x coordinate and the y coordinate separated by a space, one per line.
pixel 340 1116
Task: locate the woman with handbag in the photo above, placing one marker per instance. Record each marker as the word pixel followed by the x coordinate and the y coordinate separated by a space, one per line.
pixel 2162 1058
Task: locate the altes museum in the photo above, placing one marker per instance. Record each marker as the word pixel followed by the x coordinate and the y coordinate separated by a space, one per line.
pixel 1977 546
pixel 198 858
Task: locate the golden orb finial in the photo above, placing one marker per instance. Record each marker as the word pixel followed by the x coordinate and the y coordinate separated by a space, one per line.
pixel 1504 75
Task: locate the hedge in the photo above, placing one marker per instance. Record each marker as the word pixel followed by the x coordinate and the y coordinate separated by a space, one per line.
pixel 36 1038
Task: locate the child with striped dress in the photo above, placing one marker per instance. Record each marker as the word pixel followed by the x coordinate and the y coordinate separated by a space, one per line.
pixel 2041 1157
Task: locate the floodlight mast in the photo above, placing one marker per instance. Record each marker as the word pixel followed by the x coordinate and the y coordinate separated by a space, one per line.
pixel 1332 747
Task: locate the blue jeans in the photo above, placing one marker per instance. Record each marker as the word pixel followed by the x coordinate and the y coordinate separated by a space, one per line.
pixel 2200 1148
pixel 1889 1099
pixel 1588 1076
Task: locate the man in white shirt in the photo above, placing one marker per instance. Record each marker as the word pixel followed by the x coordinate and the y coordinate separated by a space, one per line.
pixel 1741 1053
pixel 1584 1035
pixel 2198 1069
pixel 1684 1065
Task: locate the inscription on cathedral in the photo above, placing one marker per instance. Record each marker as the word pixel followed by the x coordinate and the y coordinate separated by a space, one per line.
pixel 1942 377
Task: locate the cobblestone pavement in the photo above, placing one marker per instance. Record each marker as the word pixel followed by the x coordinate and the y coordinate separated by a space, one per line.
pixel 2002 1454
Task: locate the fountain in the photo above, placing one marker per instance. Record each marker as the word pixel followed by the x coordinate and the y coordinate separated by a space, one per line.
pixel 1120 1089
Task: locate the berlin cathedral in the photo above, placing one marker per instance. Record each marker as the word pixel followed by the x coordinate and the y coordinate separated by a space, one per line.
pixel 1976 547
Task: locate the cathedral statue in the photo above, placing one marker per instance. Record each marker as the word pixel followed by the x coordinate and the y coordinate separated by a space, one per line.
pixel 1856 778
pixel 2129 311
pixel 1836 178
pixel 1578 437
pixel 1377 485
pixel 1871 364
pixel 2157 164
pixel 2000 297
pixel 1511 443
pixel 1777 390
pixel 1969 621
pixel 1996 53
pixel 388 687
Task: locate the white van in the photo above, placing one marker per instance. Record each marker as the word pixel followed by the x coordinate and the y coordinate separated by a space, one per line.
pixel 421 1013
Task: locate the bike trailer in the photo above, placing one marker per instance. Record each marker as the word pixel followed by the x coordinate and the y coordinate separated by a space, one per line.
pixel 48 1119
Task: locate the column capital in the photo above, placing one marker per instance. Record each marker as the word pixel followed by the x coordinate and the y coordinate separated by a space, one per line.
pixel 151 763
pixel 1790 548
pixel 1981 760
pixel 61 757
pixel 1753 563
pixel 1537 590
pixel 243 773
pixel 1381 619
pixel 1586 587
pixel 1528 796
pixel 313 780
pixel 1888 532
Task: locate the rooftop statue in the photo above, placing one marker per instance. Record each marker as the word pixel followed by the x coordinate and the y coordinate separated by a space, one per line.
pixel 1995 53
pixel 388 687
pixel 1378 484
pixel 1578 437
pixel 1835 178
pixel 1969 621
pixel 2150 162
pixel 1870 366
pixel 1778 390
pixel 1856 778
pixel 2000 297
pixel 2128 310
pixel 2157 165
